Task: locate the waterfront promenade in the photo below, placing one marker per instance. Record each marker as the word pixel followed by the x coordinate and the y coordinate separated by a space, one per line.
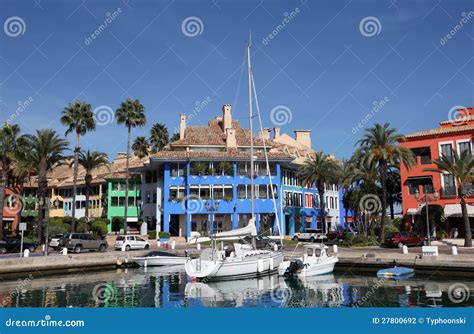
pixel 367 260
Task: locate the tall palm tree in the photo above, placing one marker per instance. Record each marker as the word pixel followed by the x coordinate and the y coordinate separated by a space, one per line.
pixel 8 148
pixel 45 151
pixel 461 167
pixel 159 137
pixel 394 190
pixel 379 144
pixel 320 170
pixel 79 118
pixel 140 147
pixel 132 114
pixel 90 161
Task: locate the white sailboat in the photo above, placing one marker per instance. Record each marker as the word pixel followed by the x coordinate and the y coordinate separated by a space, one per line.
pixel 243 261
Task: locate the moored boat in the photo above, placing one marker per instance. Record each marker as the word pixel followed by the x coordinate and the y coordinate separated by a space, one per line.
pixel 158 258
pixel 315 261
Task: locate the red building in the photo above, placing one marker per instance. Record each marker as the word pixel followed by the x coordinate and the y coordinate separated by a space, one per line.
pixel 451 136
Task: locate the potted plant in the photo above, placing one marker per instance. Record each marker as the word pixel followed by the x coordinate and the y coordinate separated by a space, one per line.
pixel 164 236
pixel 226 167
pixel 198 168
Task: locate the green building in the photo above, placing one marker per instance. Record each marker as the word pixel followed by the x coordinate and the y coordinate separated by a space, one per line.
pixel 116 201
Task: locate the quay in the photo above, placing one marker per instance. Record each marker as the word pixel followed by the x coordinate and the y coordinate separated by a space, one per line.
pixel 365 260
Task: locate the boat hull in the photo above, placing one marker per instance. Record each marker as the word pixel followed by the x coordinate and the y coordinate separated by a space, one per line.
pixel 233 268
pixel 311 269
pixel 160 260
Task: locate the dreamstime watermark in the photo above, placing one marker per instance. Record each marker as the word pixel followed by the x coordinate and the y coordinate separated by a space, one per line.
pixel 46 322
pixel 20 108
pixel 281 115
pixel 287 18
pixel 465 18
pixel 13 204
pixel 14 26
pixel 22 285
pixel 104 115
pixel 370 26
pixel 370 203
pixel 377 284
pixel 458 114
pixel 192 204
pixel 199 106
pixel 192 26
pixel 109 18
pixel 377 106
pixel 458 293
pixel 103 293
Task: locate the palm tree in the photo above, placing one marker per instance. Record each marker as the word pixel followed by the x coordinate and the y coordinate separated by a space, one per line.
pixel 320 170
pixel 379 144
pixel 45 151
pixel 174 137
pixel 8 148
pixel 461 167
pixel 90 161
pixel 394 190
pixel 79 118
pixel 132 114
pixel 140 147
pixel 159 137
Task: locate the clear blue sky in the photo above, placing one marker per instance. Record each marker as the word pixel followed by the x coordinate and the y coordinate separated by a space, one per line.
pixel 321 66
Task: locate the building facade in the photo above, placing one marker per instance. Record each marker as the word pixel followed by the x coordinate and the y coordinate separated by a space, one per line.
pixel 448 138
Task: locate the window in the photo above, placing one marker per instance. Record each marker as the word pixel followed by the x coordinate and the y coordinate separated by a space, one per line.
pixel 263 191
pixel 464 147
pixel 446 150
pixel 154 197
pixel 205 192
pixel 424 154
pixel 449 185
pixel 241 191
pixel 148 197
pixel 178 169
pixel 176 193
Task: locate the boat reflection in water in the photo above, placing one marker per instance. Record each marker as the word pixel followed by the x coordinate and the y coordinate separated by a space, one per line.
pixel 270 291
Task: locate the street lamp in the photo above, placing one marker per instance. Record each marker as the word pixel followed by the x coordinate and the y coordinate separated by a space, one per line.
pixel 212 206
pixel 426 199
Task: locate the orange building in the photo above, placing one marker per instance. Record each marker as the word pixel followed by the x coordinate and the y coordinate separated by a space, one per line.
pixel 452 136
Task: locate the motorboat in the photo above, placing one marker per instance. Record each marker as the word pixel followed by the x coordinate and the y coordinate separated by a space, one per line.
pixel 315 261
pixel 398 273
pixel 158 258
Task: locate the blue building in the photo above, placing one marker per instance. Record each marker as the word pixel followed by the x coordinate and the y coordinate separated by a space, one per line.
pixel 203 182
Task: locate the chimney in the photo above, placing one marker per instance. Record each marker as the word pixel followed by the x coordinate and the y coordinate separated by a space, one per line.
pixel 231 142
pixel 276 133
pixel 226 117
pixel 182 126
pixel 303 137
pixel 264 134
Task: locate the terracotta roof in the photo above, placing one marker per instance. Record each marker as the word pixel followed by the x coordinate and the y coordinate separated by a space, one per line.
pixel 213 135
pixel 167 155
pixel 441 131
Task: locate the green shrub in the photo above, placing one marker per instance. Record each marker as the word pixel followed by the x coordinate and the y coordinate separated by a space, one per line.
pixel 152 235
pixel 117 223
pixel 99 227
pixel 164 235
pixel 440 235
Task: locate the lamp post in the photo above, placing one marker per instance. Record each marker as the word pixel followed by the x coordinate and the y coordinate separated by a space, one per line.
pixel 212 206
pixel 426 199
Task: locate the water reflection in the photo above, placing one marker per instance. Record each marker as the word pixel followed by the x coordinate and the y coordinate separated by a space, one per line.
pixel 170 287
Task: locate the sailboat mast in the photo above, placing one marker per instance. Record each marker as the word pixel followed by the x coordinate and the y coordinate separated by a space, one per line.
pixel 252 189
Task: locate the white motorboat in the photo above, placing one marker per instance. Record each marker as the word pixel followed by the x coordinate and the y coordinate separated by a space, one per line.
pixel 315 261
pixel 157 258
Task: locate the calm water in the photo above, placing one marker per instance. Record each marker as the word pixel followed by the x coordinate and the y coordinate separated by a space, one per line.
pixel 170 287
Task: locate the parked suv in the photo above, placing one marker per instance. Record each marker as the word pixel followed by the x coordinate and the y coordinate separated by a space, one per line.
pixel 311 235
pixel 131 242
pixel 83 241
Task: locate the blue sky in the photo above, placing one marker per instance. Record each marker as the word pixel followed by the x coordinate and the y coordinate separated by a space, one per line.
pixel 324 67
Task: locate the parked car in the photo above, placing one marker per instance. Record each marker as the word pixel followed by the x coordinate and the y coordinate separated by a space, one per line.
pixel 57 242
pixel 311 235
pixel 401 239
pixel 78 242
pixel 13 245
pixel 131 242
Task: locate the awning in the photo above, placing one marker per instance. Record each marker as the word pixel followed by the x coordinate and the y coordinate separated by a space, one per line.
pixel 454 210
pixel 413 211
